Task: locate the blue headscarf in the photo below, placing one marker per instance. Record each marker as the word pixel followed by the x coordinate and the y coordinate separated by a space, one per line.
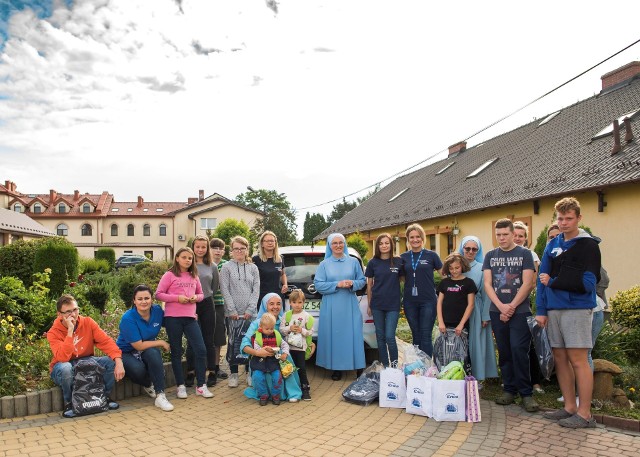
pixel 328 253
pixel 265 300
pixel 475 239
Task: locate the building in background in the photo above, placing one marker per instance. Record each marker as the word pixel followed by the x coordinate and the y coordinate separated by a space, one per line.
pixel 154 229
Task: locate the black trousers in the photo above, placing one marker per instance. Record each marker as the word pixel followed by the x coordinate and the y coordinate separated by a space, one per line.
pixel 206 322
pixel 298 359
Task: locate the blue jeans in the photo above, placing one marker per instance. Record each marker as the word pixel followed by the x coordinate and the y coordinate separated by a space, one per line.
pixel 513 339
pixel 260 383
pixel 187 326
pixel 149 370
pixel 421 318
pixel 386 323
pixel 596 326
pixel 62 375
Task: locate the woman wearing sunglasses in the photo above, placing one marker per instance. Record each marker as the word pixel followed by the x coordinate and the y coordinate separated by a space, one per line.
pixel 481 347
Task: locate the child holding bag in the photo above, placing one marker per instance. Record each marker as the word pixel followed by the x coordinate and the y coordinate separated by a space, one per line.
pixel 267 337
pixel 297 327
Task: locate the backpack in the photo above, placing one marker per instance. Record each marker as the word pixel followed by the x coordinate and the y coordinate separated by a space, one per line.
pixel 88 388
pixel 308 326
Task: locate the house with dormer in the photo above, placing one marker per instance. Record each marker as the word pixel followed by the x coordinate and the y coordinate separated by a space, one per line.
pixel 589 150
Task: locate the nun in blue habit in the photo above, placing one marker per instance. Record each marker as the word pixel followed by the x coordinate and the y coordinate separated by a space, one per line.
pixel 291 387
pixel 340 340
pixel 481 347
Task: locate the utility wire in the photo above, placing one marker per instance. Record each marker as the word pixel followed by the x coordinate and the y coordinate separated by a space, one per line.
pixel 478 132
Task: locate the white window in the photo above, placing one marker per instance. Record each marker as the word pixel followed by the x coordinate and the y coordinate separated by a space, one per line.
pixel 37 208
pixel 62 230
pixel 114 230
pixel 86 208
pixel 163 229
pixel 481 168
pixel 17 208
pixel 62 208
pixel 208 223
pixel 146 230
pixel 86 230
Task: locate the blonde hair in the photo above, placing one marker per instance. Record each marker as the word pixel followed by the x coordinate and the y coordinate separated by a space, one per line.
pixel 267 319
pixel 276 254
pixel 243 241
pixel 296 295
pixel 567 204
pixel 416 228
pixel 522 226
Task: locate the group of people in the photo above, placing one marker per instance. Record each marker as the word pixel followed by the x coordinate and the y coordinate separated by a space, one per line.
pixel 483 295
pixel 202 294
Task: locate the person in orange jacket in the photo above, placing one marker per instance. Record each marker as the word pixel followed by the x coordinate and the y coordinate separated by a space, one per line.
pixel 73 337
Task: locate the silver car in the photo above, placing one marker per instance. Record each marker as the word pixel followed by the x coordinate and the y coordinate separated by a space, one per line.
pixel 300 264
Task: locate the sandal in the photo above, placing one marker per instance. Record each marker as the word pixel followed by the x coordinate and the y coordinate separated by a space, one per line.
pixel 337 375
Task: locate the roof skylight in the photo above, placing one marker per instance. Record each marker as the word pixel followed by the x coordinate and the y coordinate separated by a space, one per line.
pixel 548 118
pixel 445 168
pixel 398 194
pixel 609 128
pixel 129 210
pixel 159 210
pixel 482 167
pixel 115 209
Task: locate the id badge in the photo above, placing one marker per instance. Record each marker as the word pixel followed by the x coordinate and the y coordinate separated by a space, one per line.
pixel 414 291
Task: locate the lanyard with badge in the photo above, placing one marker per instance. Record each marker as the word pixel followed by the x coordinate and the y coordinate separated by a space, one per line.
pixel 414 265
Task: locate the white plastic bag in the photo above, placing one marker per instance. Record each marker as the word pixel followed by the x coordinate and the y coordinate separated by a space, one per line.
pixel 448 400
pixel 393 390
pixel 419 393
pixel 295 340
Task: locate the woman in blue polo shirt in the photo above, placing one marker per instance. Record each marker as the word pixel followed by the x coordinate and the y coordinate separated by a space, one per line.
pixel 419 289
pixel 139 328
pixel 383 280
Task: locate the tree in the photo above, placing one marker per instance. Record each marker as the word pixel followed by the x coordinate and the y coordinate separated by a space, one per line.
pixel 339 210
pixel 358 243
pixel 229 228
pixel 279 216
pixel 313 225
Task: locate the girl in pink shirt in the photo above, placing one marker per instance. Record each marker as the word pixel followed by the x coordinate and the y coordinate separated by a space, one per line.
pixel 180 290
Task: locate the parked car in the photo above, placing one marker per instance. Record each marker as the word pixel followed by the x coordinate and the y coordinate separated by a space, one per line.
pixel 300 265
pixel 130 260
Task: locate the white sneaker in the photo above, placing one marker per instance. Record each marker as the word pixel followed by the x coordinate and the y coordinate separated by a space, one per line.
pixel 150 391
pixel 203 391
pixel 163 403
pixel 181 392
pixel 293 400
pixel 249 383
pixel 233 380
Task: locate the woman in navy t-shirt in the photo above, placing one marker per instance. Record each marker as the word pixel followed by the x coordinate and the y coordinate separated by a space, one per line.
pixel 419 288
pixel 383 280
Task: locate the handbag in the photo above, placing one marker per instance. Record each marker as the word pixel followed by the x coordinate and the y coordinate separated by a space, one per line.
pixel 295 340
pixel 393 390
pixel 419 395
pixel 473 400
pixel 448 400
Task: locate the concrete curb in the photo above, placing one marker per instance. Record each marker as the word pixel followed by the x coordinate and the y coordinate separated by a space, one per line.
pixel 50 400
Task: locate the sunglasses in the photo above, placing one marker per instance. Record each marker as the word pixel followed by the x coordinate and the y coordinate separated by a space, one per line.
pixel 471 249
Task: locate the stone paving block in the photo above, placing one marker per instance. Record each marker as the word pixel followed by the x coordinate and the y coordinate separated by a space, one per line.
pixel 44 399
pixel 20 405
pixel 33 403
pixel 57 399
pixel 8 410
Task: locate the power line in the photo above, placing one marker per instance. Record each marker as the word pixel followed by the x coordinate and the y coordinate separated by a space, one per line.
pixel 478 132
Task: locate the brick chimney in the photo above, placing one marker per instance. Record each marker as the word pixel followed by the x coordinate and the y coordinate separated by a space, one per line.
pixel 200 195
pixel 191 200
pixel 621 74
pixel 461 146
pixel 140 202
pixel 52 196
pixel 76 195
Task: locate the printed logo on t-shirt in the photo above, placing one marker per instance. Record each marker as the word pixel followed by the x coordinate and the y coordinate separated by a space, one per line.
pixel 555 252
pixel 393 269
pixel 455 288
pixel 424 262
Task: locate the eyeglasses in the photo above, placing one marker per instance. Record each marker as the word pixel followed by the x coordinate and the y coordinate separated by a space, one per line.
pixel 471 249
pixel 70 312
pixel 239 249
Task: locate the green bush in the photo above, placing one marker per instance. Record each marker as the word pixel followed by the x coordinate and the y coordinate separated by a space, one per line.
pixel 31 305
pixel 128 281
pixel 625 307
pixel 88 266
pixel 107 254
pixel 61 256
pixel 98 295
pixel 358 243
pixel 631 340
pixel 17 260
pixel 611 344
pixel 149 273
pixel 541 242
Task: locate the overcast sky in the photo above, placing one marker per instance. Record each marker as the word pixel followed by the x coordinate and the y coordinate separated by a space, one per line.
pixel 315 99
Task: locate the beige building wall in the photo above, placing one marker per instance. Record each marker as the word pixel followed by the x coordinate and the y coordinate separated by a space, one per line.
pixel 614 226
pixel 191 227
